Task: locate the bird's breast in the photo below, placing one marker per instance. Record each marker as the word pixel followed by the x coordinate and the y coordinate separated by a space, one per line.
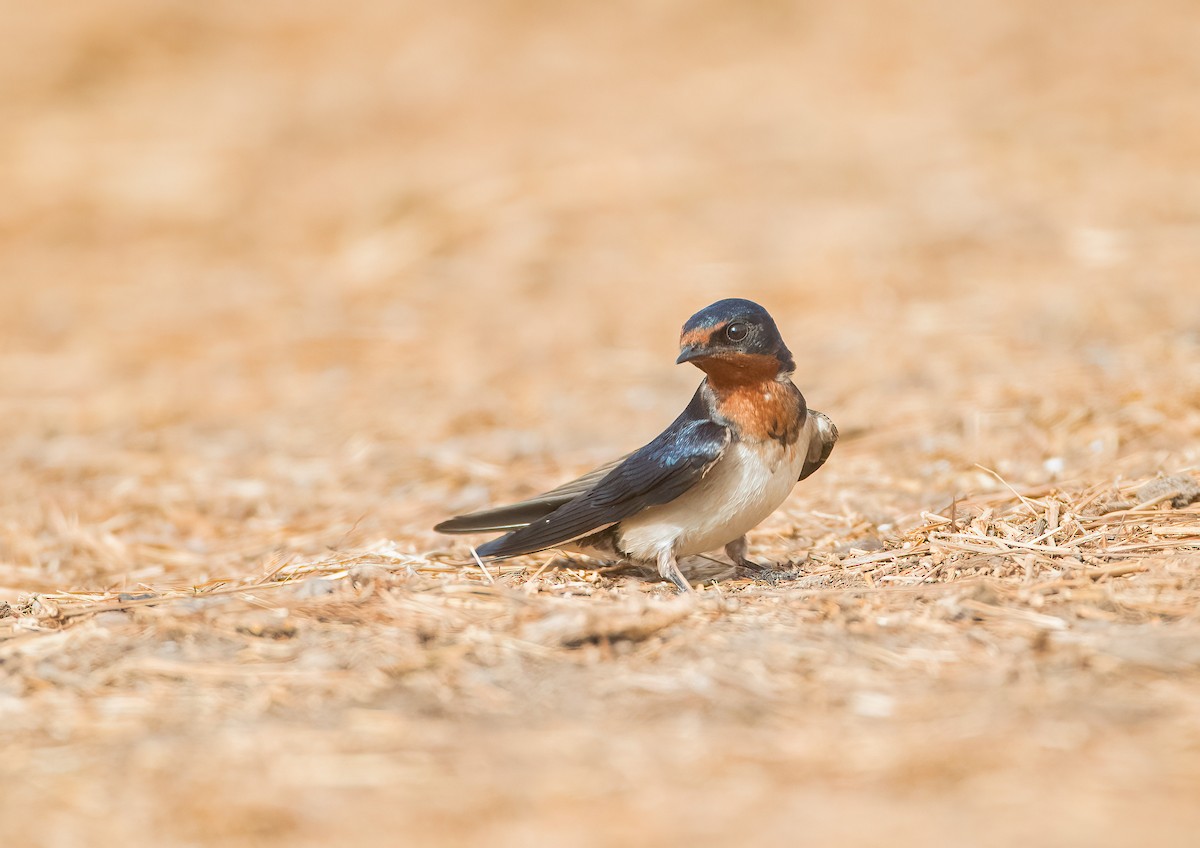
pixel 746 485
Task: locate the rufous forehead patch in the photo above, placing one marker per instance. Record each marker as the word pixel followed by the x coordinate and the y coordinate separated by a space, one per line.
pixel 700 337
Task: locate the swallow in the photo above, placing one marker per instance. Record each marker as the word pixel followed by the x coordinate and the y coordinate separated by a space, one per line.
pixel 727 462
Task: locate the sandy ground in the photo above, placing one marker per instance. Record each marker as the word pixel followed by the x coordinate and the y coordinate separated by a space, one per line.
pixel 283 284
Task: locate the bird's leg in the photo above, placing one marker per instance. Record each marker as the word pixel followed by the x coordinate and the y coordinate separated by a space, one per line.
pixel 669 569
pixel 736 551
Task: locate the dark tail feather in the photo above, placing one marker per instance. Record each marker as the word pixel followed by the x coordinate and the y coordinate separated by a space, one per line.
pixel 517 515
pixel 495 548
pixel 509 517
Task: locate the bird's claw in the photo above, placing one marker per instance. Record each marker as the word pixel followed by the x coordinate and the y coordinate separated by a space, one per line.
pixel 750 567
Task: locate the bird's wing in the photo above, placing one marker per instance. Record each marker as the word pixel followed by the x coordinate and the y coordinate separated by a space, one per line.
pixel 658 473
pixel 822 436
pixel 512 516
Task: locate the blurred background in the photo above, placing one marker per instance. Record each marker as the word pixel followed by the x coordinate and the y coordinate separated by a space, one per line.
pixel 280 278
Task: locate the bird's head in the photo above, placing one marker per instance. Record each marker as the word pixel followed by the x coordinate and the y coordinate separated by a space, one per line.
pixel 735 339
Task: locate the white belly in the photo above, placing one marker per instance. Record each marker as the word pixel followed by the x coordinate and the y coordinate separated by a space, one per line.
pixel 743 488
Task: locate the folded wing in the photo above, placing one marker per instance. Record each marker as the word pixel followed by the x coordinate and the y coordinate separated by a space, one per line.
pixel 658 473
pixel 822 436
pixel 512 516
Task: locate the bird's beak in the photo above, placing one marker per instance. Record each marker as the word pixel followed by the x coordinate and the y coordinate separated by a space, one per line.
pixel 688 353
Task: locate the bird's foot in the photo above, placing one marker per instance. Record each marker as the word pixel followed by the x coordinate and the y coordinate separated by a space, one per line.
pixel 736 551
pixel 669 569
pixel 750 568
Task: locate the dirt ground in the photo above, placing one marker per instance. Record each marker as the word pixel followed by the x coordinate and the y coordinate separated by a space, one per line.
pixel 283 284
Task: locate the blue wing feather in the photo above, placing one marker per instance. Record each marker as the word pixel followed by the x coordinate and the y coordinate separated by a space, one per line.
pixel 658 473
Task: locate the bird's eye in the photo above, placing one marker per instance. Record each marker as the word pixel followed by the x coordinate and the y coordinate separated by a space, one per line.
pixel 736 331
